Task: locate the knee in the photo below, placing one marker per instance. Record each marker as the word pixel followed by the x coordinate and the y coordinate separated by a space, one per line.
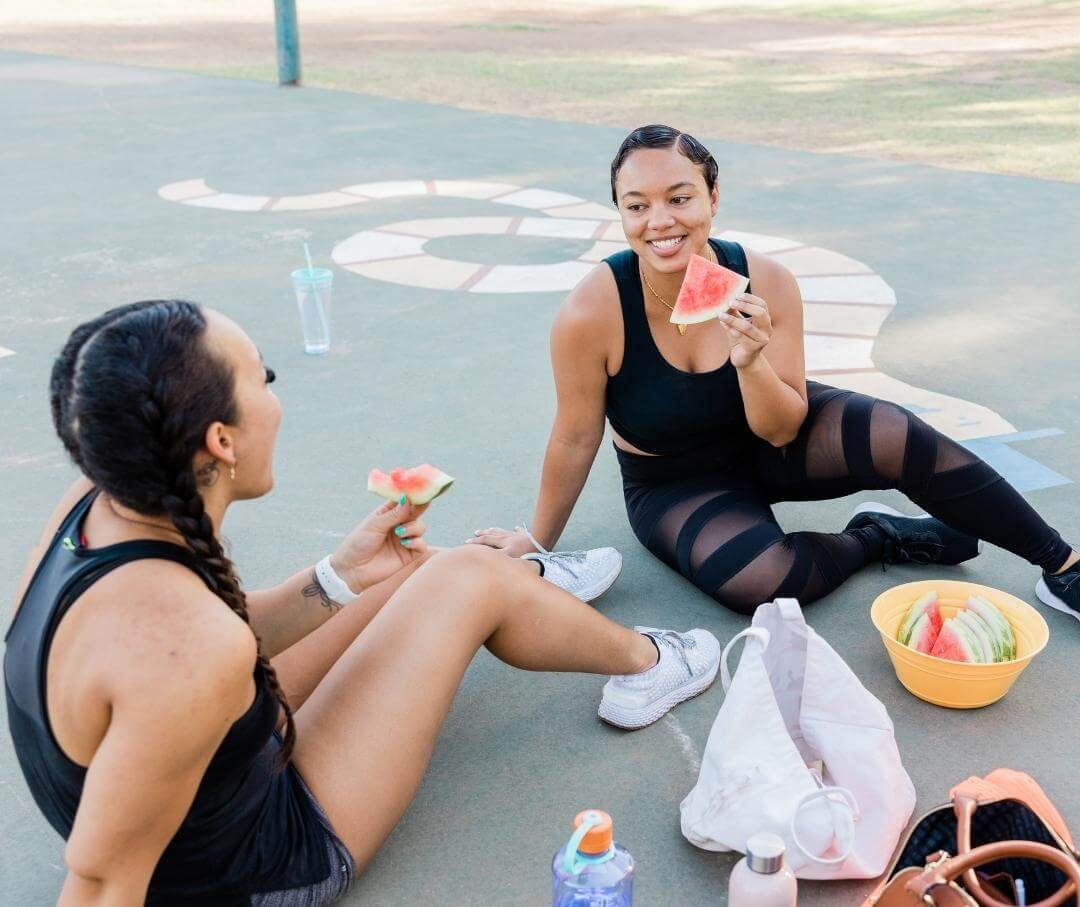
pixel 482 568
pixel 743 602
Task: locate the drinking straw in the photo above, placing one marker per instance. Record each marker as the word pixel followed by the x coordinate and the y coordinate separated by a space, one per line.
pixel 314 290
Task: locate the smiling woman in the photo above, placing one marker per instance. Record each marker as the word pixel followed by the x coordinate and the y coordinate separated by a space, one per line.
pixel 715 424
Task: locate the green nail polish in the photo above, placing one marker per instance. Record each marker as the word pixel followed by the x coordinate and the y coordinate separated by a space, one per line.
pixel 405 543
pixel 404 500
pixel 400 531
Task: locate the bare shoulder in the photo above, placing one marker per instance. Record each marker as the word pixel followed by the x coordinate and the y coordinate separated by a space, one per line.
pixel 175 633
pixel 589 319
pixel 592 304
pixel 774 283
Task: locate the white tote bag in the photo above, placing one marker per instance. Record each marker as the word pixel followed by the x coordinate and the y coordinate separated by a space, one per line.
pixel 802 749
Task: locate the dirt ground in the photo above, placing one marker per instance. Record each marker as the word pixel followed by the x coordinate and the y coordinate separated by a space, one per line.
pixel 986 86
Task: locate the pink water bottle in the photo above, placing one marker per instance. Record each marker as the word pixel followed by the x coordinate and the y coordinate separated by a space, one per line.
pixel 760 879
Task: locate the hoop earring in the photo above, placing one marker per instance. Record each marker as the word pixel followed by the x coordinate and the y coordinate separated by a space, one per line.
pixel 232 472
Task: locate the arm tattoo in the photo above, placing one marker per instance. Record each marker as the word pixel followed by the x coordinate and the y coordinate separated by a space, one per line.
pixel 314 588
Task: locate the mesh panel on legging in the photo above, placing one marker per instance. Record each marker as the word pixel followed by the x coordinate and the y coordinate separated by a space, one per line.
pixel 719 530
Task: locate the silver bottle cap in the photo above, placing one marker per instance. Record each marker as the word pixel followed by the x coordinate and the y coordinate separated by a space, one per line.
pixel 765 853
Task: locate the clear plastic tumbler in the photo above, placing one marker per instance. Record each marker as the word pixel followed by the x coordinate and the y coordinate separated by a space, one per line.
pixel 314 290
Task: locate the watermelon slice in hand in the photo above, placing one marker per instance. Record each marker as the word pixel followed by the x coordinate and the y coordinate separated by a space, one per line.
pixel 420 485
pixel 707 291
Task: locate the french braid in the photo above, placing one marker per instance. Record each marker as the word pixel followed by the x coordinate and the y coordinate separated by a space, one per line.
pixel 141 390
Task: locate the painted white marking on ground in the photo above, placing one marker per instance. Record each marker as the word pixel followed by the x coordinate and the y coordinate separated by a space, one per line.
pixel 693 759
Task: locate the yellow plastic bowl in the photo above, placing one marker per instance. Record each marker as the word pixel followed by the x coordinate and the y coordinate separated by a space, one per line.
pixel 954 684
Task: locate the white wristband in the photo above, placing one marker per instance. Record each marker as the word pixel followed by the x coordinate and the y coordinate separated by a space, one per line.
pixel 336 589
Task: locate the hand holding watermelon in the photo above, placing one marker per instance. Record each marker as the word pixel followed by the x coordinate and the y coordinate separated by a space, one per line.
pixel 387 540
pixel 749 328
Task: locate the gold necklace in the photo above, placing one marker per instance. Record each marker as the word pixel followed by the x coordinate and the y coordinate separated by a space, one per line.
pixel 681 328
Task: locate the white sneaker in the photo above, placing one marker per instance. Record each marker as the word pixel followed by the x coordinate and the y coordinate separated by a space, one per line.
pixel 584 574
pixel 687 667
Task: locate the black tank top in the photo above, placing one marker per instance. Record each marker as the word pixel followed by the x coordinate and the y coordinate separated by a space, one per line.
pixel 661 409
pixel 250 828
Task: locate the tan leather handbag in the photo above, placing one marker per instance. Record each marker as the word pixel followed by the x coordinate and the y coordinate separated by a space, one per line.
pixel 1003 824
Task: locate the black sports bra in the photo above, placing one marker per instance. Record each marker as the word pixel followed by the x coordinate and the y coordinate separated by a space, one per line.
pixel 659 408
pixel 250 828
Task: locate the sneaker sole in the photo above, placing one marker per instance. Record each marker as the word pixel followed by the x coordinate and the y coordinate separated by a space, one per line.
pixel 875 507
pixel 635 719
pixel 1043 594
pixel 600 587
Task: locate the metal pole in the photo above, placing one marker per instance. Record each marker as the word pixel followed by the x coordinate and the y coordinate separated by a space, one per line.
pixel 288 42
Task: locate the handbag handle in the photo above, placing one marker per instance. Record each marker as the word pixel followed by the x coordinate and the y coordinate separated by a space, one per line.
pixel 759 633
pixel 965 807
pixel 946 870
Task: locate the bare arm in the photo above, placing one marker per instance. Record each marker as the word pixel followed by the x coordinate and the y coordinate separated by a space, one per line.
pixel 169 713
pixel 381 544
pixel 580 337
pixel 773 378
pixel 580 368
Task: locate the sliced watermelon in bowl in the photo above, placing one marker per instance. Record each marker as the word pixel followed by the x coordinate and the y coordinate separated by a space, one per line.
pixel 924 634
pixel 924 605
pixel 421 484
pixel 707 291
pixel 956 642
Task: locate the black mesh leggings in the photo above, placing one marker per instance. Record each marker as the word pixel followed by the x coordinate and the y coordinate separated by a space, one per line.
pixel 717 527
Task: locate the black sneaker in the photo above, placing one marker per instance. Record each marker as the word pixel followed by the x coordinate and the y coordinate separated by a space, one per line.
pixel 1061 591
pixel 916 539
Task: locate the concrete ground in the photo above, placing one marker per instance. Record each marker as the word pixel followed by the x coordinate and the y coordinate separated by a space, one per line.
pixel 984 269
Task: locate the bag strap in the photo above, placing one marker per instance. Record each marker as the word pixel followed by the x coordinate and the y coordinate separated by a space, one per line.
pixel 823 793
pixel 943 871
pixel 758 633
pixel 965 807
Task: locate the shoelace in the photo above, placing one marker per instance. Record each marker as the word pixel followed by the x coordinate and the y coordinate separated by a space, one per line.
pixel 677 642
pixel 574 556
pixel 918 548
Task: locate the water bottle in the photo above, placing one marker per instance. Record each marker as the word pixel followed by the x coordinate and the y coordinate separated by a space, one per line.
pixel 760 879
pixel 592 870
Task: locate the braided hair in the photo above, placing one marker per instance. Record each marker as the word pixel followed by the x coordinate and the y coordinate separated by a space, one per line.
pixel 132 394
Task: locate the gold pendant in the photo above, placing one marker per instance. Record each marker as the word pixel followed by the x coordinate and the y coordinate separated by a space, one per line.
pixel 682 329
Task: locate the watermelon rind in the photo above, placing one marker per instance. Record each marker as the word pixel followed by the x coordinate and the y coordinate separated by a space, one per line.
pixel 923 635
pixel 985 637
pixel 993 615
pixel 918 608
pixel 738 284
pixel 955 635
pixel 435 483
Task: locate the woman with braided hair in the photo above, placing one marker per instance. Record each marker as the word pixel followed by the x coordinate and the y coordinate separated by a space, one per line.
pixel 194 743
pixel 714 424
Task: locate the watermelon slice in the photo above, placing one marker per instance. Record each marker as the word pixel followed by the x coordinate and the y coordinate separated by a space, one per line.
pixel 707 290
pixel 420 484
pixel 984 636
pixel 926 604
pixel 924 634
pixel 991 613
pixel 956 643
